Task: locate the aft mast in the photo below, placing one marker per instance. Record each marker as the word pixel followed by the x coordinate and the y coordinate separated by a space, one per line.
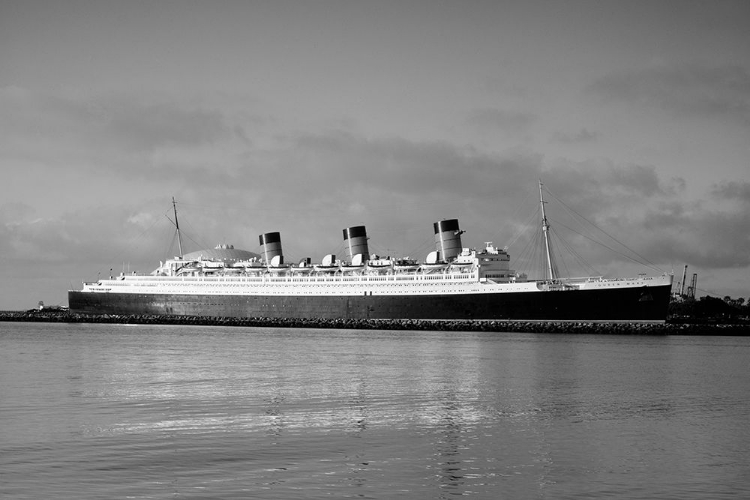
pixel 177 225
pixel 550 271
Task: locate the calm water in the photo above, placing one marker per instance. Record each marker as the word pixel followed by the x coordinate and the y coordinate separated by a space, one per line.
pixel 114 411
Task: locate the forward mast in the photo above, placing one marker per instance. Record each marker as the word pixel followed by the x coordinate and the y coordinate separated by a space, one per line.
pixel 550 270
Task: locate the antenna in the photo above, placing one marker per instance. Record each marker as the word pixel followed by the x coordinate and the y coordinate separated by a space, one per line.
pixel 177 225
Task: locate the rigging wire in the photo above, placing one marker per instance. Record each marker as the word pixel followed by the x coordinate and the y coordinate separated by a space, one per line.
pixel 524 228
pixel 532 255
pixel 508 220
pixel 614 250
pixel 171 243
pixel 644 261
pixel 530 259
pixel 133 243
pixel 571 249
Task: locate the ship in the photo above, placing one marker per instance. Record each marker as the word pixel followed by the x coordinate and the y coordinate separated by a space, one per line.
pixel 452 283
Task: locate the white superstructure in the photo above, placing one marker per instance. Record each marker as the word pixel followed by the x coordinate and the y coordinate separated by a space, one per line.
pixel 471 272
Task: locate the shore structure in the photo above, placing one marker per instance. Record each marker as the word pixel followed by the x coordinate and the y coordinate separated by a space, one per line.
pixel 452 283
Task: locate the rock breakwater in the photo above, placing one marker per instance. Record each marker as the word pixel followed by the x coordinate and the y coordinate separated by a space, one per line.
pixel 565 327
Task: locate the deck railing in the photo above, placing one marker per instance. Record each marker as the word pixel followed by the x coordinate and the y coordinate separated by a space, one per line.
pixel 138 279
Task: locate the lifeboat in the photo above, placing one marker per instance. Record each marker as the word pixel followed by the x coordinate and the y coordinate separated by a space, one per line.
pixel 277 265
pixel 433 263
pixel 406 265
pixel 329 265
pixel 378 265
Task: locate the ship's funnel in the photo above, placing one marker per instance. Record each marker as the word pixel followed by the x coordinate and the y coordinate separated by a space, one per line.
pixel 270 247
pixel 355 239
pixel 448 239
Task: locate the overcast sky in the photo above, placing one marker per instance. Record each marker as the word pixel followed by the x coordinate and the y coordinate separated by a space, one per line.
pixel 309 117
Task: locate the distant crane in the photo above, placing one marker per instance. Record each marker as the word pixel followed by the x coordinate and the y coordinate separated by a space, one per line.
pixel 689 291
pixel 682 283
pixel 693 286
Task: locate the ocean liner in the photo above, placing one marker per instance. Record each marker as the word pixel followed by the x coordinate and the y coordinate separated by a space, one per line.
pixel 452 283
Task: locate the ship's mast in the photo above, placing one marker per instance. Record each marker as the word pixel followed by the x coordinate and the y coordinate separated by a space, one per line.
pixel 177 225
pixel 550 273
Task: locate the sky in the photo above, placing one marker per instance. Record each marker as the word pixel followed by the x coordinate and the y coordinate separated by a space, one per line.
pixel 308 117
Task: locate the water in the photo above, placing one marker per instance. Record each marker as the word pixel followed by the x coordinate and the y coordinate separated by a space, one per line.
pixel 116 411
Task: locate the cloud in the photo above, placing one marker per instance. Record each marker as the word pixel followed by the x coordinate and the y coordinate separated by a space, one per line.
pixel 582 136
pixel 711 239
pixel 74 238
pixel 721 92
pixel 632 210
pixel 146 127
pixel 41 258
pixel 732 191
pixel 16 213
pixel 311 185
pixel 510 122
pixel 397 188
pixel 49 128
pixel 603 183
pixel 303 167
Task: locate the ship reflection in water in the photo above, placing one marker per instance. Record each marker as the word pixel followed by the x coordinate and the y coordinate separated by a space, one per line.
pixel 111 411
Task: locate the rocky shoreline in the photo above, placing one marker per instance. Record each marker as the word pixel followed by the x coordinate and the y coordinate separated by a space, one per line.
pixel 566 327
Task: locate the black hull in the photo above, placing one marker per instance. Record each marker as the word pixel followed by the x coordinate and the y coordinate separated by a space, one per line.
pixel 627 304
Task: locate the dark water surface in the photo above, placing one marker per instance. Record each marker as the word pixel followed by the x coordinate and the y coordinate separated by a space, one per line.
pixel 117 411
